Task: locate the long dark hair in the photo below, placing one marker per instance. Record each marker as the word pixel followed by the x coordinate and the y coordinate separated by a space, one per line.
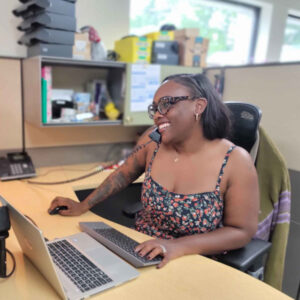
pixel 215 119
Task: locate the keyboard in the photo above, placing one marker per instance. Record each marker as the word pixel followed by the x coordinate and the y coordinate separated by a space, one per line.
pixel 78 268
pixel 118 242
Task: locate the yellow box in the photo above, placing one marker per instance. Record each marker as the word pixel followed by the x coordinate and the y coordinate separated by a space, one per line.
pixel 163 35
pixel 134 49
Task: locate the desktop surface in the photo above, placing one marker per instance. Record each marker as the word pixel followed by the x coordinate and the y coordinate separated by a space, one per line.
pixel 188 277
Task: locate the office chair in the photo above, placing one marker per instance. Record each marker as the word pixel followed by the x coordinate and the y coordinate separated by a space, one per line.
pixel 122 207
pixel 245 118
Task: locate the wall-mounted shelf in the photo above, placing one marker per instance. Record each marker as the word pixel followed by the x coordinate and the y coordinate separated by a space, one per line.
pixel 70 74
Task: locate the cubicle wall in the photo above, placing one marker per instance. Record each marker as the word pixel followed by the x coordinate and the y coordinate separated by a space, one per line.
pixel 10 104
pixel 275 89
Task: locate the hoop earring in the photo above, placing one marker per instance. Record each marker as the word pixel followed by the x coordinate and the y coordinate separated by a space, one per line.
pixel 197 117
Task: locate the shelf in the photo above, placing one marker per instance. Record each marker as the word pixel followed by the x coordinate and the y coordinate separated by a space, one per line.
pixel 91 123
pixel 81 63
pixel 72 74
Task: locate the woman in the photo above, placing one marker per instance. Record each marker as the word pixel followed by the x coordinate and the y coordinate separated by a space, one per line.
pixel 196 181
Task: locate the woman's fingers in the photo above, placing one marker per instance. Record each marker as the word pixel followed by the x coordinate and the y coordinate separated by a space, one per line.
pixel 163 262
pixel 151 249
pixel 156 251
pixel 144 248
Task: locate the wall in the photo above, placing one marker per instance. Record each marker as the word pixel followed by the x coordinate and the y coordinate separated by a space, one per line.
pixel 272 26
pixel 109 18
pixel 275 89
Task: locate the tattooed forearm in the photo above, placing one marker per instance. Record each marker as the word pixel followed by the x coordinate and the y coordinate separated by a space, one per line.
pixel 113 184
pixel 117 181
pixel 136 171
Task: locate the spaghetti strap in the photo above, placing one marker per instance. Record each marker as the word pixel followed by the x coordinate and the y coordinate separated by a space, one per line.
pixel 217 189
pixel 148 172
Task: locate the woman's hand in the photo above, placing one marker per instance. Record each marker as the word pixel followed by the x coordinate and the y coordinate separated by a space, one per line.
pixel 74 208
pixel 169 249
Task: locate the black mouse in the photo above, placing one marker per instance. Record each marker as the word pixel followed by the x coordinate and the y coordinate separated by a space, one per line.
pixel 55 210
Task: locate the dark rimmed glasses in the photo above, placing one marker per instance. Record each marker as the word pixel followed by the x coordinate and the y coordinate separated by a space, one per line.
pixel 165 103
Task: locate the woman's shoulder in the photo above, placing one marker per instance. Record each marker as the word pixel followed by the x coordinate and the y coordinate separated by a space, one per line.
pixel 238 156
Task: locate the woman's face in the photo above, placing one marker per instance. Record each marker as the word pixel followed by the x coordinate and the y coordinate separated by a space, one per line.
pixel 177 123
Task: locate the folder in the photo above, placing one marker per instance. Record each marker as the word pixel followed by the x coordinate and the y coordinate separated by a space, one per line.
pixel 34 7
pixel 49 20
pixel 44 101
pixel 46 35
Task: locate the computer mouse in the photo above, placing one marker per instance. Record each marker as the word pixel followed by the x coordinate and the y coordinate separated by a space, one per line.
pixel 55 210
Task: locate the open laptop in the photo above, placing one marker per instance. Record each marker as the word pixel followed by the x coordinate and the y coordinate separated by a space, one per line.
pixel 99 269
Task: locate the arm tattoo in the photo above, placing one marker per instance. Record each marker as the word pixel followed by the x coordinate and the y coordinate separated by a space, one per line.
pixel 115 183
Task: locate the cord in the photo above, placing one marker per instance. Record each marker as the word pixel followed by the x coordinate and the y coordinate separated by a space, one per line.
pixel 12 256
pixel 98 170
pixel 14 264
pixel 68 169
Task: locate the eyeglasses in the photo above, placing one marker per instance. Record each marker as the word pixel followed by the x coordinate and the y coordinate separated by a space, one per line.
pixel 165 103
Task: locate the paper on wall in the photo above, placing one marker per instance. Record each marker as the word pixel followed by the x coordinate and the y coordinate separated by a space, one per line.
pixel 145 80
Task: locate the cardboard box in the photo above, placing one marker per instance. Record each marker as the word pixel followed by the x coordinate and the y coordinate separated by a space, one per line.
pixel 82 46
pixel 200 52
pixel 186 33
pixel 192 49
pixel 134 49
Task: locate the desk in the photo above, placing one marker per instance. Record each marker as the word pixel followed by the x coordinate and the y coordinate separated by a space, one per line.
pixel 189 277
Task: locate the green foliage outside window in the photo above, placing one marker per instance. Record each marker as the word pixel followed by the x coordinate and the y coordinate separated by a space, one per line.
pixel 215 20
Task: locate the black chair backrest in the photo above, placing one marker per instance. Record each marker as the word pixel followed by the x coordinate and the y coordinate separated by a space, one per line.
pixel 245 119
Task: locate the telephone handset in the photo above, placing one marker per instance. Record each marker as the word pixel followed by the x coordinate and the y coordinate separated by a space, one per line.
pixel 155 136
pixel 16 166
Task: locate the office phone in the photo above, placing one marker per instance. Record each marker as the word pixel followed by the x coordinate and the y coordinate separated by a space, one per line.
pixel 155 136
pixel 16 165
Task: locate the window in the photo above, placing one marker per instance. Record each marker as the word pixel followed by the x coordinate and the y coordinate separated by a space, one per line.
pixel 291 46
pixel 230 27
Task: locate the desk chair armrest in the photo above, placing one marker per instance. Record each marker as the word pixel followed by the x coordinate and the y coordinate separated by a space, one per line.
pixel 131 209
pixel 245 258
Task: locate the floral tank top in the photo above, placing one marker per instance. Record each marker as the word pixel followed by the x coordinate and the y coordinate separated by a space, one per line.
pixel 171 215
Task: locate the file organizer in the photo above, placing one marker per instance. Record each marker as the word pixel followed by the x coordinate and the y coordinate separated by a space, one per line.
pixel 49 26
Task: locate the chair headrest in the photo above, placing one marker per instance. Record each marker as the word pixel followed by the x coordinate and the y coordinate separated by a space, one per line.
pixel 245 119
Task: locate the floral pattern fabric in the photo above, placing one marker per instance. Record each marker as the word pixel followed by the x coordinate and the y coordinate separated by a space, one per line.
pixel 170 215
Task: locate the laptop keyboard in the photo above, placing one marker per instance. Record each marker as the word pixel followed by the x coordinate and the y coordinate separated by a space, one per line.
pixel 126 244
pixel 79 269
